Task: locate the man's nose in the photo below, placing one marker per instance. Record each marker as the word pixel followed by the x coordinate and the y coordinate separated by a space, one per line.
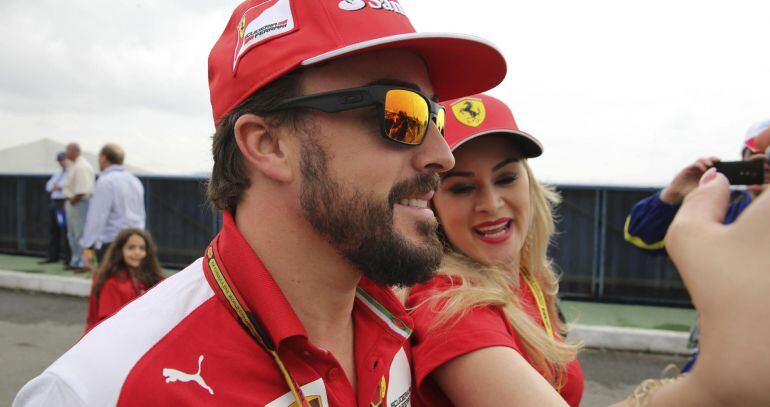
pixel 434 155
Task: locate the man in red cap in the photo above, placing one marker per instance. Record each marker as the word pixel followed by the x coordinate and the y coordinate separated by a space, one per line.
pixel 326 153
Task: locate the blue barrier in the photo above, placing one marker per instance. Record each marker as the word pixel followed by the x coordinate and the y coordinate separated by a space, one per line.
pixel 589 250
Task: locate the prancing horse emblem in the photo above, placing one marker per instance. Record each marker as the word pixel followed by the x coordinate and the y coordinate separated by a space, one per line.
pixel 173 375
pixel 469 111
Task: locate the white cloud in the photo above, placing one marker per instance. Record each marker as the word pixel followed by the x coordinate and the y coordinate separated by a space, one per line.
pixel 129 72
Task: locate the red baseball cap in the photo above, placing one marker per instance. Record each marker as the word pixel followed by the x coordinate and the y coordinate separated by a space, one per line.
pixel 750 139
pixel 266 39
pixel 478 115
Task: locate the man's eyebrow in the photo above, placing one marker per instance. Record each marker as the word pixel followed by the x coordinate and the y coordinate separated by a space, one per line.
pixel 401 84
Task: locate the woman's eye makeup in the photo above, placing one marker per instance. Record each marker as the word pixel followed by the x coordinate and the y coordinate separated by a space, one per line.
pixel 507 178
pixel 460 188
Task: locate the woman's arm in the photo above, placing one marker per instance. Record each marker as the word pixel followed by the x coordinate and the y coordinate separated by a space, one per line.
pixel 494 376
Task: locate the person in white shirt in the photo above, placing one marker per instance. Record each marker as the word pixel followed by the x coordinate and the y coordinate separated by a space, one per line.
pixel 57 219
pixel 117 203
pixel 78 187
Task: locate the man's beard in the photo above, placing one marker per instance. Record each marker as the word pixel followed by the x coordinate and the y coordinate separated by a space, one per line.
pixel 361 226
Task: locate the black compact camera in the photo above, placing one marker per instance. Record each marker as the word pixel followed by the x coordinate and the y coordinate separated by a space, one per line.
pixel 742 172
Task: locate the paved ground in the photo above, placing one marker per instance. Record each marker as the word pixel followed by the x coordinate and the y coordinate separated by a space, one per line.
pixel 36 328
pixel 611 375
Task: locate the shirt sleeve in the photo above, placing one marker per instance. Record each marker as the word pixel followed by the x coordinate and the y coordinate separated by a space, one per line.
pixel 50 182
pixel 433 346
pixel 47 390
pixel 98 211
pixel 739 201
pixel 648 222
pixel 111 300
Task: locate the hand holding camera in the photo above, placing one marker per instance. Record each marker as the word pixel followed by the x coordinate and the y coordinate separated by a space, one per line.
pixel 686 180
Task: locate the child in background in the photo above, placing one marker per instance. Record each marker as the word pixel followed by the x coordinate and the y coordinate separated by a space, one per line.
pixel 130 268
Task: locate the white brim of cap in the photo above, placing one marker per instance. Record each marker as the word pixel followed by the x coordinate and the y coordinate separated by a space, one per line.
pixel 530 146
pixel 455 83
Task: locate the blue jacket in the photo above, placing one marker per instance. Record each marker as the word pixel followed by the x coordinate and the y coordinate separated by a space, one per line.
pixel 648 222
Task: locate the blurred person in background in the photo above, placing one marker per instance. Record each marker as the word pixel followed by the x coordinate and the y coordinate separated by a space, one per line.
pixel 130 268
pixel 648 222
pixel 78 187
pixel 117 203
pixel 649 219
pixel 493 306
pixel 57 215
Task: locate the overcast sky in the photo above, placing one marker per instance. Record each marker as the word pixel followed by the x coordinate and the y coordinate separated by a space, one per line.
pixel 619 92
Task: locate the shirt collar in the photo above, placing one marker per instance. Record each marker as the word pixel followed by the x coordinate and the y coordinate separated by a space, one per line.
pixel 386 307
pixel 267 302
pixel 256 285
pixel 112 168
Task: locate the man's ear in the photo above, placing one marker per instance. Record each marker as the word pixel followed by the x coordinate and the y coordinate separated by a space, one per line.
pixel 264 147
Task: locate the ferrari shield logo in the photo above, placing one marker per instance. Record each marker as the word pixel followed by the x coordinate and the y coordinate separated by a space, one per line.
pixel 312 401
pixel 469 111
pixel 380 396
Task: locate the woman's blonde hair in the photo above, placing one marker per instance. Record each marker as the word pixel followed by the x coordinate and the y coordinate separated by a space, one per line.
pixel 479 285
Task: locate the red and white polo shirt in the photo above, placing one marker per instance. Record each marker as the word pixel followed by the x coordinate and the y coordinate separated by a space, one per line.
pixel 179 344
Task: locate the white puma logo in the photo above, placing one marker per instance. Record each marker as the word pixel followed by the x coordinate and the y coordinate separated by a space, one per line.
pixel 173 375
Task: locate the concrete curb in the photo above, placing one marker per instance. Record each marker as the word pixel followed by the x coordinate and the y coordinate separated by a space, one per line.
pixel 45 283
pixel 631 339
pixel 594 336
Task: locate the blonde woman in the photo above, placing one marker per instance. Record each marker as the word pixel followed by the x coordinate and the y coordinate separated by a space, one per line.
pixel 481 327
pixel 491 313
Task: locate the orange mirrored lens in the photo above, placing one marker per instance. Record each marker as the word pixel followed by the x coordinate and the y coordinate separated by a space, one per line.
pixel 440 120
pixel 406 116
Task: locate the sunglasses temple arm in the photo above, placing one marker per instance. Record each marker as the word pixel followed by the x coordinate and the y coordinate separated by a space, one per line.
pixel 331 103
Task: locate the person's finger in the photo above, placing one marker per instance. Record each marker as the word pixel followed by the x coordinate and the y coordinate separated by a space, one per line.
pixel 697 223
pixel 707 203
pixel 710 161
pixel 701 165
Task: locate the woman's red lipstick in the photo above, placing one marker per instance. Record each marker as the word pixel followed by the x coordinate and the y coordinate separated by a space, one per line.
pixel 496 231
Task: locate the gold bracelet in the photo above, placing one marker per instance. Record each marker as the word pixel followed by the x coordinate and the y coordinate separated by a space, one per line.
pixel 644 391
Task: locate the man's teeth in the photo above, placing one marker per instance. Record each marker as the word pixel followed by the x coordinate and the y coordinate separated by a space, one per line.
pixel 419 203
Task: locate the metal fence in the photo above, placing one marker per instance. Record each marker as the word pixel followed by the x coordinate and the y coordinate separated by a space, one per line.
pixel 595 260
pixel 597 264
pixel 177 216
